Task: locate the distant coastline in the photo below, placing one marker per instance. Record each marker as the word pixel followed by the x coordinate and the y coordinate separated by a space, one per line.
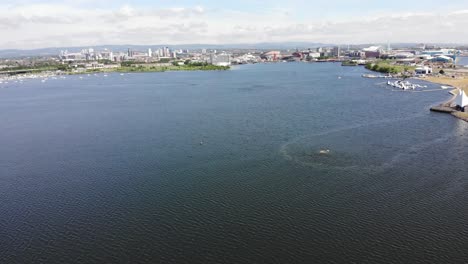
pixel 46 72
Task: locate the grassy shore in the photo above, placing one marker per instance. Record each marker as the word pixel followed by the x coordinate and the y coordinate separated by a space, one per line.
pixel 157 68
pixel 386 66
pixel 127 68
pixel 460 82
pixel 461 115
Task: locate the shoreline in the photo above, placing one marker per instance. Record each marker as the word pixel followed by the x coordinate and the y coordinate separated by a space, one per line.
pixel 458 80
pixel 446 107
pixel 45 74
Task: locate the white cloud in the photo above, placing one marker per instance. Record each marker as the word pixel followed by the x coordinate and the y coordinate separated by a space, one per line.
pixel 460 12
pixel 44 25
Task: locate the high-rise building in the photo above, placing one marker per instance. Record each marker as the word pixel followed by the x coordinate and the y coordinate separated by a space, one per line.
pixel 336 52
pixel 150 53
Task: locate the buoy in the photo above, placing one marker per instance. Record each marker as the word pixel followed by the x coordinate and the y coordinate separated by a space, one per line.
pixel 324 151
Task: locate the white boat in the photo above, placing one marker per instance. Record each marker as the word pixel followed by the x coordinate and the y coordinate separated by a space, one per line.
pixel 404 85
pixel 369 76
pixel 324 151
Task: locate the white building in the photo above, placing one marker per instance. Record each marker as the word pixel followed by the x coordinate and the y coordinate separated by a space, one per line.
pixel 404 55
pixel 107 55
pixel 246 58
pixel 220 59
pixel 423 70
pixel 314 55
pixel 67 56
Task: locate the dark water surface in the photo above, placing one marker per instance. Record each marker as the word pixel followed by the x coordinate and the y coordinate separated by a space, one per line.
pixel 225 167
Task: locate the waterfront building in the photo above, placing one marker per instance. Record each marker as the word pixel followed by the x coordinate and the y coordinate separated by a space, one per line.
pixel 314 55
pixel 357 54
pixel 271 56
pixel 373 52
pixel 336 51
pixel 220 59
pixel 246 58
pixel 423 70
pixel 106 55
pixel 68 57
pixel 404 55
pixel 166 52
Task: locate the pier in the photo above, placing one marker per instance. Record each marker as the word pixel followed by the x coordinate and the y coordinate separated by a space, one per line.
pixel 446 107
pixel 443 109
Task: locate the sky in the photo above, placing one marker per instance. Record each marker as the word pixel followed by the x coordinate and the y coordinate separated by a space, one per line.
pixel 31 24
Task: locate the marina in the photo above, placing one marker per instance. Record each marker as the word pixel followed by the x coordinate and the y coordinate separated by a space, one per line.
pixel 405 85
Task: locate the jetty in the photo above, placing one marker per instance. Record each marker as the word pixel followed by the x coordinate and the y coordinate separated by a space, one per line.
pixel 443 109
pixel 447 107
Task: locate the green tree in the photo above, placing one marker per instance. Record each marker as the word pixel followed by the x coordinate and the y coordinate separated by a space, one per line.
pixel 126 63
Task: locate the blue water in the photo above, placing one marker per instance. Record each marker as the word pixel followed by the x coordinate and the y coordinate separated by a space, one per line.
pixel 463 61
pixel 225 167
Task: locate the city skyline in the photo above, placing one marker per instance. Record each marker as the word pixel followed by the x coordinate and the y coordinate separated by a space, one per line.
pixel 32 24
